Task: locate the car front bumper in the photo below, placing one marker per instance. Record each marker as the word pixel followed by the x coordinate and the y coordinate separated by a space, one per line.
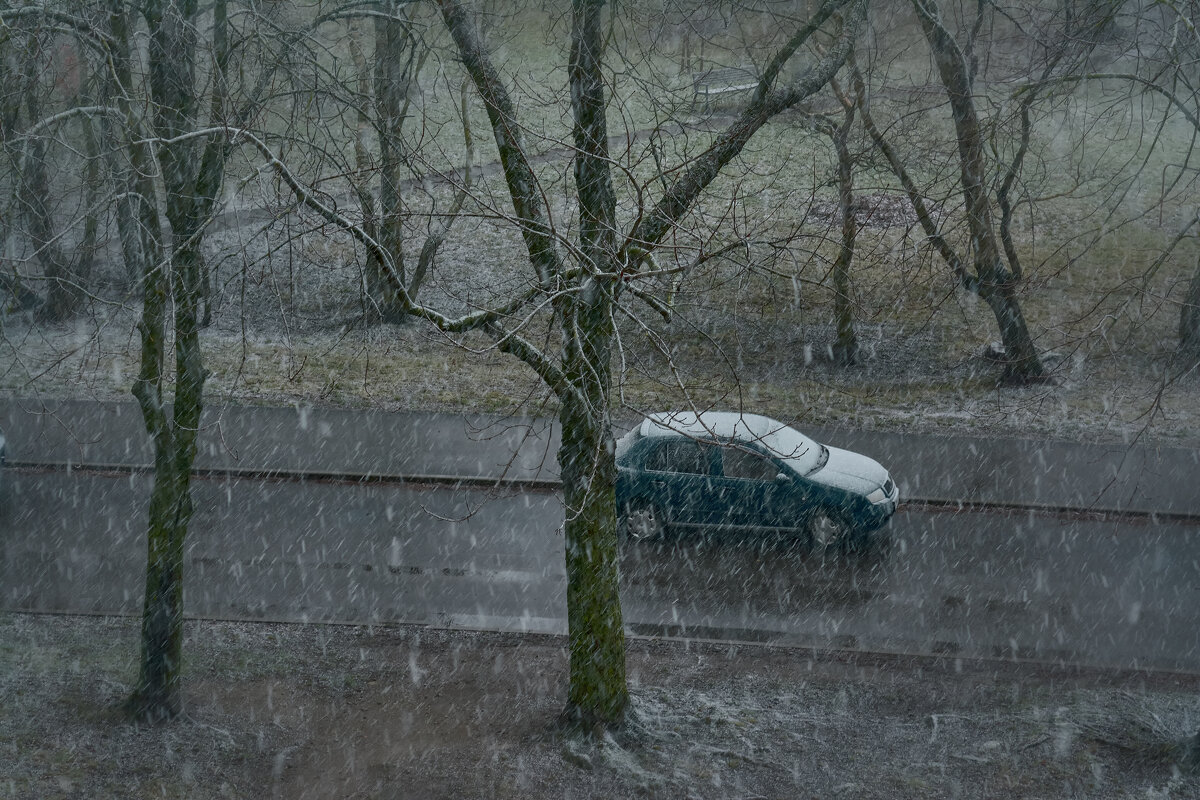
pixel 878 514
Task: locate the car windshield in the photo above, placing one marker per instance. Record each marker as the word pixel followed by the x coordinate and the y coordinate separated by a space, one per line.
pixel 797 450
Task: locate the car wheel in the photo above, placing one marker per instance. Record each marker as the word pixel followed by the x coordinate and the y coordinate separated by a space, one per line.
pixel 862 544
pixel 826 532
pixel 641 521
pixel 869 545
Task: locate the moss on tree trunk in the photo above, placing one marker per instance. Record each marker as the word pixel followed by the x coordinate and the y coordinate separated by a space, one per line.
pixel 597 695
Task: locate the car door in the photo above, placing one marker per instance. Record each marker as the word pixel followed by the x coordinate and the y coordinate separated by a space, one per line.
pixel 680 477
pixel 748 482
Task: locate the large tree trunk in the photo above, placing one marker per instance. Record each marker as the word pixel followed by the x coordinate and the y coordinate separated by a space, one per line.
pixel 173 432
pixel 157 696
pixel 598 694
pixel 996 284
pixel 192 179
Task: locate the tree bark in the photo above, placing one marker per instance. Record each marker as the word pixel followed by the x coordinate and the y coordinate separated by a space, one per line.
pixel 394 58
pixel 192 179
pixel 845 347
pixel 598 694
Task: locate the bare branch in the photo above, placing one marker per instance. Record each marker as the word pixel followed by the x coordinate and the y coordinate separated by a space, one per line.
pixel 518 172
pixel 80 27
pixel 915 198
pixel 1119 76
pixel 686 189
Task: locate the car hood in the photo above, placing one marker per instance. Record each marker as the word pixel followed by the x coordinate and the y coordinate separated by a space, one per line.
pixel 851 472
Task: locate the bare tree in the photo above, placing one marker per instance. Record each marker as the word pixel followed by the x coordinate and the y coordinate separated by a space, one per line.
pixel 1160 79
pixel 578 285
pixel 584 297
pixel 845 348
pixel 173 285
pixel 995 282
pixel 46 80
pixel 987 262
pixel 384 107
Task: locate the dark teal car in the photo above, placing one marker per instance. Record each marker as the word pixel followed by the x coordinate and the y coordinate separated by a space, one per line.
pixel 724 470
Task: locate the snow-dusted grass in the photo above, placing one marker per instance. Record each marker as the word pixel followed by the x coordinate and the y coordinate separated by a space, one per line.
pixel 290 329
pixel 323 711
pixel 289 322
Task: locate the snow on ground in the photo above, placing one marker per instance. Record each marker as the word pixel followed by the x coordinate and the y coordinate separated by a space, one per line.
pixel 289 326
pixel 317 712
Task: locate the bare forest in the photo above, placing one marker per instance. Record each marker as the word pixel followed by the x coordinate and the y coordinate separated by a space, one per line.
pixel 973 219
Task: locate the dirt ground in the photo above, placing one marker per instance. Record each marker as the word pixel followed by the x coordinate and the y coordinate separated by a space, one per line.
pixel 294 711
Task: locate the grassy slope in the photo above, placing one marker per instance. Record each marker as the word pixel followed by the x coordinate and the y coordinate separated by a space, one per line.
pixel 748 334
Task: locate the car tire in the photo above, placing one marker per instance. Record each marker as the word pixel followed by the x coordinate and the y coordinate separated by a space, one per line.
pixel 870 545
pixel 864 544
pixel 827 533
pixel 640 521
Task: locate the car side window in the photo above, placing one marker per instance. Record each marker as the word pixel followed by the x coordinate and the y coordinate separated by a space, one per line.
pixel 738 463
pixel 680 456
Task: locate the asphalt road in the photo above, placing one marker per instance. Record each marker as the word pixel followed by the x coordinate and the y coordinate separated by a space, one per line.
pixel 1057 587
pixel 1134 478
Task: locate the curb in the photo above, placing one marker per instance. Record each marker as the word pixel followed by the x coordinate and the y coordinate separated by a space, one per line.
pixel 931 504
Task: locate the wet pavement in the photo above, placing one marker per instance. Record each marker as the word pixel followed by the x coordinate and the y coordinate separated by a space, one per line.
pixel 1031 472
pixel 1056 587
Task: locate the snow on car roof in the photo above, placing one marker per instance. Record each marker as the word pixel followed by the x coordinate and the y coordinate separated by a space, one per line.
pixel 709 424
pixel 787 443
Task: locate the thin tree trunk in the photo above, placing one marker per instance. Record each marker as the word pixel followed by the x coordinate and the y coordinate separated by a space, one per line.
pixel 137 210
pixel 393 62
pixel 996 286
pixel 1189 323
pixel 767 102
pixel 63 291
pixel 845 348
pixel 94 187
pixel 192 181
pixel 63 295
pixel 10 148
pixel 1003 199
